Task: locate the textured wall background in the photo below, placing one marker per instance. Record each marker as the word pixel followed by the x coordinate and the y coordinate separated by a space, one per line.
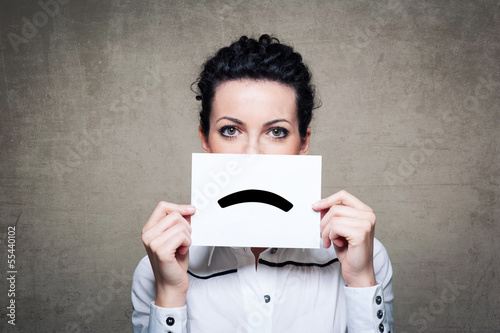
pixel 98 124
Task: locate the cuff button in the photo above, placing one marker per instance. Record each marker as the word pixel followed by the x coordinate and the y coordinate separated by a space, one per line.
pixel 170 321
pixel 381 328
pixel 380 314
pixel 378 300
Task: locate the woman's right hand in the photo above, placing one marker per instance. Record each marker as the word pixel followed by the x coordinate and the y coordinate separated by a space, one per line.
pixel 167 237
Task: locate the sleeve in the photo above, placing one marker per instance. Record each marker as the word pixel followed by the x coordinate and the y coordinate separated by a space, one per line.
pixel 369 309
pixel 147 317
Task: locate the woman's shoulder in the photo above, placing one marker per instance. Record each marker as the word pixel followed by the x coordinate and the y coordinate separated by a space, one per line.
pixel 143 275
pixel 381 263
pixel 143 291
pixel 379 251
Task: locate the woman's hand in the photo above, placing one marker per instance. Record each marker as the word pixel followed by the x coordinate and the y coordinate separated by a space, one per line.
pixel 350 225
pixel 167 237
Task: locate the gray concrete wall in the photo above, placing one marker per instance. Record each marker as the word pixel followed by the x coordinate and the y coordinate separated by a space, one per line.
pixel 98 124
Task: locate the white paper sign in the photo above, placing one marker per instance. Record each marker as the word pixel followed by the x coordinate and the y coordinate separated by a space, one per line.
pixel 255 200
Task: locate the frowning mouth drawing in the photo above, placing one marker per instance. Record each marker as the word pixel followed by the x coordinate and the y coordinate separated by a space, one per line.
pixel 261 196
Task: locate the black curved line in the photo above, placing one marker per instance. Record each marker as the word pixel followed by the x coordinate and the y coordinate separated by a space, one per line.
pixel 213 275
pixel 294 263
pixel 255 196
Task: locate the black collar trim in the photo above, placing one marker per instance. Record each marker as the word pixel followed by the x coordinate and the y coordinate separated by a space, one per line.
pixel 294 263
pixel 267 263
pixel 212 275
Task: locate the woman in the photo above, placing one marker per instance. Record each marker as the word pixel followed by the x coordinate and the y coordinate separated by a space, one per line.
pixel 257 99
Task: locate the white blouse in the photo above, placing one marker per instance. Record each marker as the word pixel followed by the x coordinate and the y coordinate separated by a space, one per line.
pixel 292 290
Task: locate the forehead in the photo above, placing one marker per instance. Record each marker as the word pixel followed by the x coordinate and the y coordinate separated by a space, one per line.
pixel 256 96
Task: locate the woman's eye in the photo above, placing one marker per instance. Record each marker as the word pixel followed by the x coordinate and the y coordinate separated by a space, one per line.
pixel 229 131
pixel 278 132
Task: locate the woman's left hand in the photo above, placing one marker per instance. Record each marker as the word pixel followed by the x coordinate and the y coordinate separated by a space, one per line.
pixel 349 224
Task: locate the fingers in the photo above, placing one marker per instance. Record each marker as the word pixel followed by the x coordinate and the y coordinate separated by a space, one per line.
pixel 340 230
pixel 168 230
pixel 347 224
pixel 345 211
pixel 167 244
pixel 167 238
pixel 164 208
pixel 173 222
pixel 342 197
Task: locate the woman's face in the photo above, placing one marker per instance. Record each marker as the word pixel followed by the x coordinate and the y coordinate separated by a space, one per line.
pixel 254 117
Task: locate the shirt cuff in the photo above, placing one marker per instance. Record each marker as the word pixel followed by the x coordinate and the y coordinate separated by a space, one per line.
pixel 365 310
pixel 171 320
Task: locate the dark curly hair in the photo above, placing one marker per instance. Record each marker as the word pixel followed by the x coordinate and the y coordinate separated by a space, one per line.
pixel 265 59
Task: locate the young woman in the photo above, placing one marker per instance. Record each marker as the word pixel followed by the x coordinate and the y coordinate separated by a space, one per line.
pixel 257 98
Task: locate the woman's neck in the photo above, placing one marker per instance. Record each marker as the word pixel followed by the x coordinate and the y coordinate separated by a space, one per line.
pixel 256 252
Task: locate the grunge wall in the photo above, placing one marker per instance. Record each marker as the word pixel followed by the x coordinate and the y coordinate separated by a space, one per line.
pixel 98 124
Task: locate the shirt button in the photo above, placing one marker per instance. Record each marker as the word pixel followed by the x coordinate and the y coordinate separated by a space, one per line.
pixel 378 300
pixel 380 314
pixel 274 250
pixel 381 328
pixel 170 321
pixel 267 298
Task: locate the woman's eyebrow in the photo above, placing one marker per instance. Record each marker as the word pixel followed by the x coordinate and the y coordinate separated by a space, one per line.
pixel 276 121
pixel 239 122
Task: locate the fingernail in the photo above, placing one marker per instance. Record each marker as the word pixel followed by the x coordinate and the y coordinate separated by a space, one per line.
pixel 190 208
pixel 316 204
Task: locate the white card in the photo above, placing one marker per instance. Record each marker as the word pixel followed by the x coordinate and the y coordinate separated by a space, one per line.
pixel 255 200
